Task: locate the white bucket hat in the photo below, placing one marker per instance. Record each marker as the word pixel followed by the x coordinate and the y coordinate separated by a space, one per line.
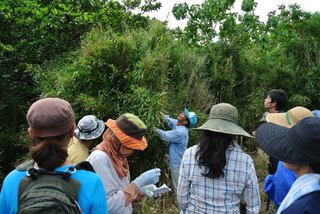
pixel 89 128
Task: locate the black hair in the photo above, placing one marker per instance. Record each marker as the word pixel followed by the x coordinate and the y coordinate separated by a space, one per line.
pixel 188 123
pixel 211 152
pixel 280 97
pixel 315 167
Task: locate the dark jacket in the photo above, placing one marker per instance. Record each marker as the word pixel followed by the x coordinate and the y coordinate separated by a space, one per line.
pixel 307 204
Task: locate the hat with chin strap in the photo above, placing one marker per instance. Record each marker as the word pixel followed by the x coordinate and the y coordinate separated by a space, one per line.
pixel 89 128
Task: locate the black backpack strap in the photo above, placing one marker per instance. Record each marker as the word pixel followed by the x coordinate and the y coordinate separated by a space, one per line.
pixel 85 165
pixel 35 173
pixel 28 166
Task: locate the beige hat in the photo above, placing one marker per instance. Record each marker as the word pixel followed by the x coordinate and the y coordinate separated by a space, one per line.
pixel 223 118
pixel 289 118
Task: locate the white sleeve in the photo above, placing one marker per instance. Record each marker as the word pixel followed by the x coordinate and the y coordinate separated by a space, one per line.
pixel 111 182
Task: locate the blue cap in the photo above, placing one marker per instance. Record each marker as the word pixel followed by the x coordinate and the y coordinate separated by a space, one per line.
pixel 192 117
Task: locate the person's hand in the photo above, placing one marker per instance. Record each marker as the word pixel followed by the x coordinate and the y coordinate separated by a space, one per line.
pixel 149 177
pixel 148 190
pixel 156 130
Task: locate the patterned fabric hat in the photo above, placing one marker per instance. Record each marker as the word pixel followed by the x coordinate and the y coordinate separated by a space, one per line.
pixel 89 128
pixel 130 131
pixel 223 118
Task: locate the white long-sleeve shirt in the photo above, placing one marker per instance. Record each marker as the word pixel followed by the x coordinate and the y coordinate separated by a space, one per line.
pixel 113 185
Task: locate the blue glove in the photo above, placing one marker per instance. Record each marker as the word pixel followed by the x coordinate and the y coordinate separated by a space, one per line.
pixel 149 177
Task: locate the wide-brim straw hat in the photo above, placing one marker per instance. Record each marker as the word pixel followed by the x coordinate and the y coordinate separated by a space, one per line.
pixel 289 118
pixel 130 131
pixel 223 118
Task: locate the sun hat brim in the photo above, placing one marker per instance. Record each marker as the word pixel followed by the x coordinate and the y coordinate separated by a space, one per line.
pixel 186 112
pixel 126 140
pixel 92 135
pixel 223 126
pixel 274 140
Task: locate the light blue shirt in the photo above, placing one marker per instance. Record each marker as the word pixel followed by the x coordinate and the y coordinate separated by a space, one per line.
pixel 177 137
pixel 92 197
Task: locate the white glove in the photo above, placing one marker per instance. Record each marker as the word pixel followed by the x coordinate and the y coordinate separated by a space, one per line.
pixel 149 177
pixel 148 190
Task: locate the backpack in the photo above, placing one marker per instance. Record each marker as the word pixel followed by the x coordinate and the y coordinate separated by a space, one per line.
pixel 43 191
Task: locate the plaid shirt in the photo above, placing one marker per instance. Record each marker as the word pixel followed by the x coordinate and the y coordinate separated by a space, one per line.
pixel 200 194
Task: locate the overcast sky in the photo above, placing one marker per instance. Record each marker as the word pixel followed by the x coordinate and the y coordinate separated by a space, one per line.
pixel 263 8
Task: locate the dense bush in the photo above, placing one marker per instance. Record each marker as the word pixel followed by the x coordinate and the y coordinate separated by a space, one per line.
pixel 35 31
pixel 144 72
pixel 116 68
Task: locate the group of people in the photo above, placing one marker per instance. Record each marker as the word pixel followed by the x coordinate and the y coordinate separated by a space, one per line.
pixel 291 139
pixel 213 176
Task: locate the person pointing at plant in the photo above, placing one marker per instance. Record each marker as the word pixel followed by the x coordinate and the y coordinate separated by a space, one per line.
pixel 109 160
pixel 178 138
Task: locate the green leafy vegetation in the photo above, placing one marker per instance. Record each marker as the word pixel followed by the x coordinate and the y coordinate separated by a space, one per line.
pixel 106 60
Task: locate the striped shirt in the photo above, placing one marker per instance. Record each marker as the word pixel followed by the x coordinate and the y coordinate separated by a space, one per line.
pixel 199 194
